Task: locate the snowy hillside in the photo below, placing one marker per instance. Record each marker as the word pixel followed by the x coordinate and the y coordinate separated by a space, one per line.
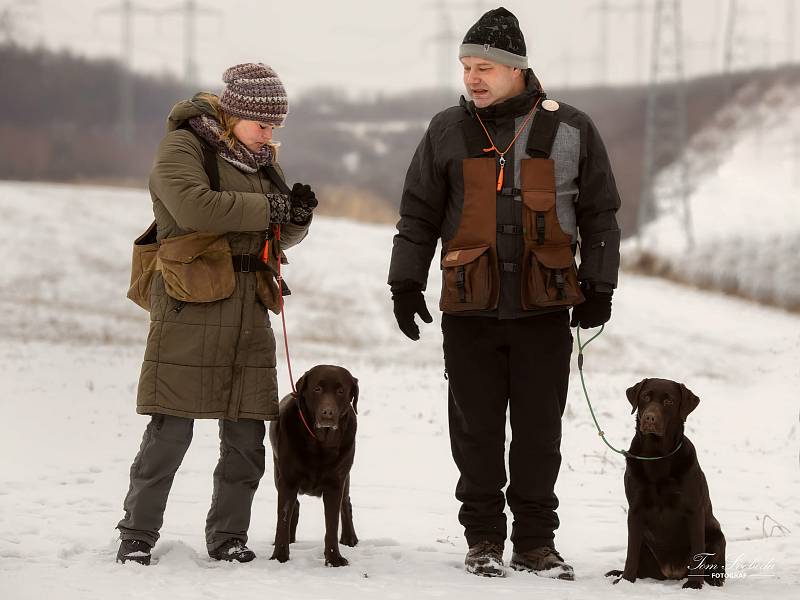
pixel 71 347
pixel 746 214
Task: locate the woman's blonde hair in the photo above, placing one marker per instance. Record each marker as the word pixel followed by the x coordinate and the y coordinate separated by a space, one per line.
pixel 228 122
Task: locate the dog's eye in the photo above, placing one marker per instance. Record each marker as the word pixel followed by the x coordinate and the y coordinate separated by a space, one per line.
pixel 340 391
pixel 667 402
pixel 318 389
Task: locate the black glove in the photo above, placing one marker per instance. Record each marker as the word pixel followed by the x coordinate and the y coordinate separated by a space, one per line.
pixel 594 311
pixel 279 208
pixel 407 304
pixel 303 201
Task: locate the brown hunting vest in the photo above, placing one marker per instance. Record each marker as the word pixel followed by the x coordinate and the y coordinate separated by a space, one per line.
pixel 470 267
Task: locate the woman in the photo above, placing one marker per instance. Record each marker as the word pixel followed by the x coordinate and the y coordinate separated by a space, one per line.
pixel 211 351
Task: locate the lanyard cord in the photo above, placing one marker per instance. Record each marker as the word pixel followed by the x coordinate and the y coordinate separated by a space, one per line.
pixel 503 153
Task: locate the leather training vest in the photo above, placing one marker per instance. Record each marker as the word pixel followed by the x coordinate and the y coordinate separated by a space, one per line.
pixel 470 267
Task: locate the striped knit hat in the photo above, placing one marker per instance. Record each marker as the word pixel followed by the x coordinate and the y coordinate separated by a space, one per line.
pixel 254 92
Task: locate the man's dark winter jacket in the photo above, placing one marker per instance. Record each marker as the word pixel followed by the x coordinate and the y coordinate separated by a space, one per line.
pixel 433 196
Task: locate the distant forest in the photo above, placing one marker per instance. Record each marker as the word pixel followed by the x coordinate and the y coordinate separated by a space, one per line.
pixel 59 121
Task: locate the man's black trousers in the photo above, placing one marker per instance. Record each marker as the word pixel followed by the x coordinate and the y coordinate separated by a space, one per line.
pixel 492 365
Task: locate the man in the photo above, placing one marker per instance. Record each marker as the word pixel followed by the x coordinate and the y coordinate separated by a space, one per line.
pixel 510 181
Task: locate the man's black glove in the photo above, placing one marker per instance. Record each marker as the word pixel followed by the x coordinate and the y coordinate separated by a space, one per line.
pixel 303 202
pixel 408 304
pixel 594 311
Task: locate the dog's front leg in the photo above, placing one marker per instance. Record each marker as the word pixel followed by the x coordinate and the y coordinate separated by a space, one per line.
pixel 287 497
pixel 697 545
pixel 332 499
pixel 635 539
pixel 349 537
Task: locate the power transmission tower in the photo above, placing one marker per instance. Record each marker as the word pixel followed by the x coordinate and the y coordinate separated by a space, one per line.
pixel 127 11
pixel 790 30
pixel 446 40
pixel 7 26
pixel 606 10
pixel 665 180
pixel 12 16
pixel 191 10
pixel 566 61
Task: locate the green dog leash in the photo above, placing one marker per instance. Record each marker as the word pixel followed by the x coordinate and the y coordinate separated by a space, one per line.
pixel 600 432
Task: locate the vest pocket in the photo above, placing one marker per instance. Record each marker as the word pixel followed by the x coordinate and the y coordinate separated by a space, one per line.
pixel 466 280
pixel 550 278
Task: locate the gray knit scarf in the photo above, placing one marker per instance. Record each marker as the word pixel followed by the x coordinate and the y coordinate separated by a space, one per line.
pixel 239 156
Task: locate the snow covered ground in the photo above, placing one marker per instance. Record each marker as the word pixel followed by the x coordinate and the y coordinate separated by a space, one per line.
pixel 71 346
pixel 746 214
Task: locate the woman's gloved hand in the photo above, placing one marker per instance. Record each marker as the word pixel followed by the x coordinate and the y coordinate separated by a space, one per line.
pixel 279 208
pixel 303 202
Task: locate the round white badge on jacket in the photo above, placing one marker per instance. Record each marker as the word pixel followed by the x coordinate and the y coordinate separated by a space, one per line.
pixel 550 105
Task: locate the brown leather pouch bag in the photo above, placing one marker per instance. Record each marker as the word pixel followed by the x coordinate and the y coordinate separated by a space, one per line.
pixel 550 278
pixel 466 279
pixel 197 267
pixel 143 267
pixel 267 291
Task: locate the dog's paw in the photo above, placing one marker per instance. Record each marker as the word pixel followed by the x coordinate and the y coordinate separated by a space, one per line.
pixel 348 540
pixel 614 573
pixel 715 581
pixel 694 583
pixel 335 560
pixel 281 554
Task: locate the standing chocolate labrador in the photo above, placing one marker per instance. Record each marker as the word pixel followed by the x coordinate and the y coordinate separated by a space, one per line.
pixel 672 532
pixel 313 445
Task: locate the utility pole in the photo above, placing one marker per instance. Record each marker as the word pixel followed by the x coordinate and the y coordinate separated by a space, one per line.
pixel 127 11
pixel 665 179
pixel 191 10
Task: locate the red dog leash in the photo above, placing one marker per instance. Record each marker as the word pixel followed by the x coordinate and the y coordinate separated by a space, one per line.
pixel 277 230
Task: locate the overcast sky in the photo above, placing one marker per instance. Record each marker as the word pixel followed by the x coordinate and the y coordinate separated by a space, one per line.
pixel 365 47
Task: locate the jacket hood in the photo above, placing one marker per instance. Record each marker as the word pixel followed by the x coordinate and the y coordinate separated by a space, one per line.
pixel 187 109
pixel 512 107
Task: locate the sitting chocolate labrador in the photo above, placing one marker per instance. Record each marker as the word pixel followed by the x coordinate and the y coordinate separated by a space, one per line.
pixel 313 445
pixel 672 532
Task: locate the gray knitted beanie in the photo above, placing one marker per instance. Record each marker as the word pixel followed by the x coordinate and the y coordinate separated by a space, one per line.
pixel 254 92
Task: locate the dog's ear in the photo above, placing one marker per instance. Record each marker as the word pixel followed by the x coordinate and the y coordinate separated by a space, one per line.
pixel 633 394
pixel 688 401
pixel 301 385
pixel 354 390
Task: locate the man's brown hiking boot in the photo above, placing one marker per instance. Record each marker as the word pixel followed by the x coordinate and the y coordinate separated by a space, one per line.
pixel 485 559
pixel 543 561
